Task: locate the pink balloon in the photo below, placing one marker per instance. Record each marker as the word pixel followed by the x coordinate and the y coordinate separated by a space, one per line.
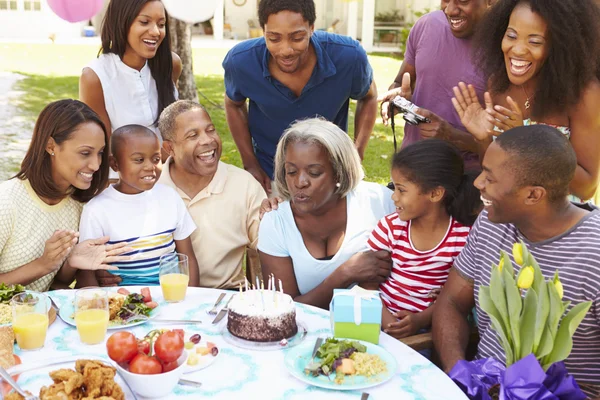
pixel 76 10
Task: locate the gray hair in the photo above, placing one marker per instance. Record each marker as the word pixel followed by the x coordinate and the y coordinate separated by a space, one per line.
pixel 343 156
pixel 168 118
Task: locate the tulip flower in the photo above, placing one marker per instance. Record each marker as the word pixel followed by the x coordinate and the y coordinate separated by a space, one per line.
pixel 559 287
pixel 525 278
pixel 518 253
pixel 501 264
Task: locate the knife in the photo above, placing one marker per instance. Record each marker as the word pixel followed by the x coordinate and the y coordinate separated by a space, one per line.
pixel 176 321
pixel 188 382
pixel 223 312
pixel 318 344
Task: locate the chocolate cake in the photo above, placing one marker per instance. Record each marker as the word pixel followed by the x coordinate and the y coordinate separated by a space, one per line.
pixel 262 316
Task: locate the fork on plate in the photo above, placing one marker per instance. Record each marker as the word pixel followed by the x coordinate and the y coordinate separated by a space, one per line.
pixel 6 377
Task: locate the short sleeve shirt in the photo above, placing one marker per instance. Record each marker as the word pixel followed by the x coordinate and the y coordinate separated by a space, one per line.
pixel 150 222
pixel 575 254
pixel 279 236
pixel 441 61
pixel 342 73
pixel 26 222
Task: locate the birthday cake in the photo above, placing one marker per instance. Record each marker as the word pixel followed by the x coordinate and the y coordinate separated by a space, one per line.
pixel 262 316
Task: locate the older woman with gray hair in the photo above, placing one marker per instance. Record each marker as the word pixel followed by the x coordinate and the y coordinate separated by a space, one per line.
pixel 315 241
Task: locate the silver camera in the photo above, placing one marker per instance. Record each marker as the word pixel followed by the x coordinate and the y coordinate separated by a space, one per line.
pixel 408 111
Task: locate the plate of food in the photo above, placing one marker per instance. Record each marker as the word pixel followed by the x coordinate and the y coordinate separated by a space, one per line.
pixel 126 309
pixel 341 364
pixel 7 292
pixel 72 377
pixel 201 353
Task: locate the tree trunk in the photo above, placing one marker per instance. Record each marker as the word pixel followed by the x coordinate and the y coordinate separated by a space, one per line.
pixel 181 43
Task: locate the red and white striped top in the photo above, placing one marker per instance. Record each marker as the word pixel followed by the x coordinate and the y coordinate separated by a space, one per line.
pixel 414 273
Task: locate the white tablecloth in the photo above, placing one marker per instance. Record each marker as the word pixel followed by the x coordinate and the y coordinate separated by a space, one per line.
pixel 239 372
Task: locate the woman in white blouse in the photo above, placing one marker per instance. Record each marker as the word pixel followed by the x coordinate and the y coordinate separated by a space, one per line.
pixel 316 240
pixel 134 78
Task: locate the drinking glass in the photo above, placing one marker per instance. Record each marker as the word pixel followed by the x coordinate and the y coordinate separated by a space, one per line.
pixel 30 319
pixel 91 314
pixel 174 276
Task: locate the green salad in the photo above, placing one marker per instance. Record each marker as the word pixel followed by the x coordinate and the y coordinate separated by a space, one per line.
pixel 331 353
pixel 7 292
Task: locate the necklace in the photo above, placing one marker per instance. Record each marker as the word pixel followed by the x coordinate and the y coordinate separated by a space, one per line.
pixel 527 103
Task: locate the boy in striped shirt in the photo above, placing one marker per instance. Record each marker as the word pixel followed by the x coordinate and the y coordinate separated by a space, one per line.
pixel 150 217
pixel 524 187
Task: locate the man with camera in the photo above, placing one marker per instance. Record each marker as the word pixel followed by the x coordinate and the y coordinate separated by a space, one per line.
pixel 437 57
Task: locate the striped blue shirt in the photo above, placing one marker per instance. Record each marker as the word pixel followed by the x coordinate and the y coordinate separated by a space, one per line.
pixel 575 254
pixel 150 222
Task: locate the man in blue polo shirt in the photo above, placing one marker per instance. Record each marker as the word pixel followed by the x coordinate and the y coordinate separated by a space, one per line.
pixel 293 73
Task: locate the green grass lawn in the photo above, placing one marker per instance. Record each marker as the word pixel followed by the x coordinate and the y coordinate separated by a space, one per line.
pixel 52 73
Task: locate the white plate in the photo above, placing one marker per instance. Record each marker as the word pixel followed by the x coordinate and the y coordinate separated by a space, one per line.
pixel 266 346
pixel 297 359
pixel 203 361
pixel 68 310
pixel 33 377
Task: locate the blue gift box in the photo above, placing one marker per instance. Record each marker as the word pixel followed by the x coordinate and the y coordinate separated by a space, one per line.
pixel 356 314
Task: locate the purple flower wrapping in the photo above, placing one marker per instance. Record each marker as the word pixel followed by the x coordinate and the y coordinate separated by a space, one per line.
pixel 524 380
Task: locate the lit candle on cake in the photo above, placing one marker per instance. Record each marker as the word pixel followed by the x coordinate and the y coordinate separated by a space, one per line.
pixel 246 283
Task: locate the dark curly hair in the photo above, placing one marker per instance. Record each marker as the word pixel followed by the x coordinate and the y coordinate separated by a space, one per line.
pixel 269 7
pixel 573 59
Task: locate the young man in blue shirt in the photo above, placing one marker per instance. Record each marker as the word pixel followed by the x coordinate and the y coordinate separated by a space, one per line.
pixel 293 73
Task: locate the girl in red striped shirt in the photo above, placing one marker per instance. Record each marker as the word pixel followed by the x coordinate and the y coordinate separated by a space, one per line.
pixel 436 204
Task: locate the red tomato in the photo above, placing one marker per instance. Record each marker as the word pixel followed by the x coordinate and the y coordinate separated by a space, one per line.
pixel 145 292
pixel 151 304
pixel 143 347
pixel 122 346
pixel 123 291
pixel 181 333
pixel 169 346
pixel 145 365
pixel 169 366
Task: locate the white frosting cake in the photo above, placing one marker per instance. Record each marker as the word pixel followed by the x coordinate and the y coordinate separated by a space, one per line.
pixel 262 316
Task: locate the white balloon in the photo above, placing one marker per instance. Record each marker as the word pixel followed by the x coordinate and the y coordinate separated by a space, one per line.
pixel 191 11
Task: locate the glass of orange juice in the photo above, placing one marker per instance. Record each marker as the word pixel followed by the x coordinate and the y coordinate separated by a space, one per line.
pixel 30 319
pixel 91 314
pixel 174 276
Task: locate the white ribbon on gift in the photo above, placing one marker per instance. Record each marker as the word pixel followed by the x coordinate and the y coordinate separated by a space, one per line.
pixel 359 294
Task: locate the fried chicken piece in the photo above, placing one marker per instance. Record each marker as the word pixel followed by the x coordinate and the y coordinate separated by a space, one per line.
pixel 72 380
pixel 54 392
pixel 99 380
pixel 111 389
pixel 99 398
pixel 13 396
pixel 114 305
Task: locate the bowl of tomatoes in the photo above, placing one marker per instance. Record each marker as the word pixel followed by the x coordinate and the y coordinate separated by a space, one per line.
pixel 160 356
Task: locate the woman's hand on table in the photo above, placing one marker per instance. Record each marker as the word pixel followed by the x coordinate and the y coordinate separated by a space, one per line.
pixel 369 266
pixel 57 249
pixel 269 204
pixel 95 254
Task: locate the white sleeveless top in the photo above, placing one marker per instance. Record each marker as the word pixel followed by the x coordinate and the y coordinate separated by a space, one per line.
pixel 130 96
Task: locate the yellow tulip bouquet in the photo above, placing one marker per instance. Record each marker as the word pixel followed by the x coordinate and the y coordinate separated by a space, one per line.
pixel 528 314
